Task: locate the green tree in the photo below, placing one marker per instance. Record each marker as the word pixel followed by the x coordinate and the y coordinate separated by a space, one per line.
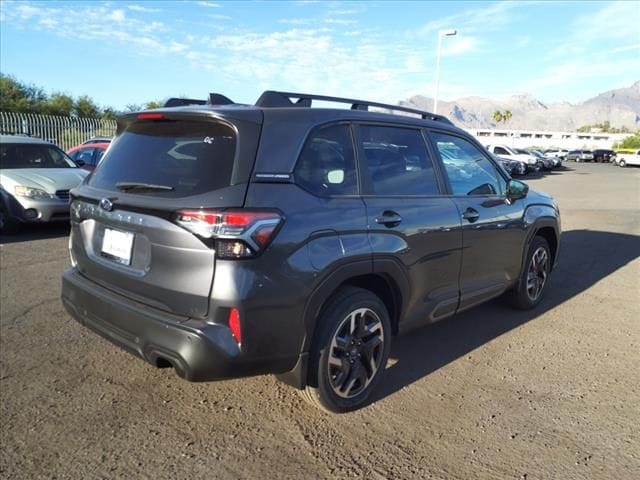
pixel 153 104
pixel 86 107
pixel 497 116
pixel 108 114
pixel 57 104
pixel 506 115
pixel 16 96
pixel 631 142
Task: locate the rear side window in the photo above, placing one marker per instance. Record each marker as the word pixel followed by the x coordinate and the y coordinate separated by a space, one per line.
pixel 181 158
pixel 327 166
pixel 396 162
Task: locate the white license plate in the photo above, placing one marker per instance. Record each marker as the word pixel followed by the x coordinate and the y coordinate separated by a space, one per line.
pixel 118 245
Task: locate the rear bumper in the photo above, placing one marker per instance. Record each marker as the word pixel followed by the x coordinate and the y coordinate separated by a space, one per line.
pixel 197 350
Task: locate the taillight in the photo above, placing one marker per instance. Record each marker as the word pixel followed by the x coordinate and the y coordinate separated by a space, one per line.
pixel 237 233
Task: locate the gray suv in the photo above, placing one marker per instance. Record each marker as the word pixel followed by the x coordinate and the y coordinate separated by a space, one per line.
pixel 226 240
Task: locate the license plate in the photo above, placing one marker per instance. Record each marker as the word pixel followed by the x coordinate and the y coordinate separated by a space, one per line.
pixel 117 245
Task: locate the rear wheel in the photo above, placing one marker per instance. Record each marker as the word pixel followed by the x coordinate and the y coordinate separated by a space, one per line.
pixel 350 351
pixel 622 163
pixel 533 278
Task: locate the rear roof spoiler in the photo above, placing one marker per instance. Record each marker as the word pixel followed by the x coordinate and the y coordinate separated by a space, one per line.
pixel 214 99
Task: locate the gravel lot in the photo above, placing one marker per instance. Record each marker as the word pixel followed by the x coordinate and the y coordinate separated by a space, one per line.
pixel 492 393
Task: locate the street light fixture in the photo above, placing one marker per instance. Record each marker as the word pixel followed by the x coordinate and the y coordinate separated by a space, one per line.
pixel 441 34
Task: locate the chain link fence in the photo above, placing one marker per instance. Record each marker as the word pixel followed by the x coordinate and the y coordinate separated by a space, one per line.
pixel 66 132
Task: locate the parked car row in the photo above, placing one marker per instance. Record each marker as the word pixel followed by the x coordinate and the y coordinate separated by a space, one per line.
pixel 517 161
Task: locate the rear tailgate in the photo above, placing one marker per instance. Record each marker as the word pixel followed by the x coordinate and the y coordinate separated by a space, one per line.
pixel 124 236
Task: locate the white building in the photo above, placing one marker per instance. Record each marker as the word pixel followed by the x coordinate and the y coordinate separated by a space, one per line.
pixel 544 139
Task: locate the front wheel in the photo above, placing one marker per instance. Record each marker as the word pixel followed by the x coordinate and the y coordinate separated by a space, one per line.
pixel 534 276
pixel 350 351
pixel 8 225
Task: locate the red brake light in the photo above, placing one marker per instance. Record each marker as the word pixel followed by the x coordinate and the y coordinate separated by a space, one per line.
pixel 151 116
pixel 234 325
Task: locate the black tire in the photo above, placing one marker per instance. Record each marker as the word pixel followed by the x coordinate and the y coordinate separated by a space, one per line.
pixel 534 276
pixel 8 225
pixel 347 359
pixel 622 163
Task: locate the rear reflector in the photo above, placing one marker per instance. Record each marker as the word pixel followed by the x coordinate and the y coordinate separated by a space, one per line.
pixel 234 325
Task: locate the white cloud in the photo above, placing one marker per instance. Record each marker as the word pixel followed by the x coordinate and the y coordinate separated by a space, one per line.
pixel 208 4
pixel 117 16
pixel 480 19
pixel 140 8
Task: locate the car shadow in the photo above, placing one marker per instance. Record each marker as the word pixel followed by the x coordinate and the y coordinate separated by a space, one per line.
pixel 586 257
pixel 35 231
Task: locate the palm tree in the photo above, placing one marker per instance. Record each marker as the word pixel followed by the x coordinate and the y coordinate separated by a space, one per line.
pixel 506 115
pixel 497 116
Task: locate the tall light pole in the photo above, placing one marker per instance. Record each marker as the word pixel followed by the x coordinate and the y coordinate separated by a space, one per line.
pixel 441 34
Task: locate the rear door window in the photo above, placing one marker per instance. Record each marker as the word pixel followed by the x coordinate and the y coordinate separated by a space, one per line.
pixel 175 158
pixel 396 162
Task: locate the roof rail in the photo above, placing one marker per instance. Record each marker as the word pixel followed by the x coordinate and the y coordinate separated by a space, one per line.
pixel 214 99
pixel 272 98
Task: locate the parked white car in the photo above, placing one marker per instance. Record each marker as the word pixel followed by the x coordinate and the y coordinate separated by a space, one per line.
pixel 35 179
pixel 558 153
pixel 533 163
pixel 624 159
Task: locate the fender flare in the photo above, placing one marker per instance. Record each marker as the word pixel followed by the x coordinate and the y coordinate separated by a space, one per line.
pixel 535 218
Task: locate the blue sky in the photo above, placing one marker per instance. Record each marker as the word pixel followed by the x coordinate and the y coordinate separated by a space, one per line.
pixel 123 52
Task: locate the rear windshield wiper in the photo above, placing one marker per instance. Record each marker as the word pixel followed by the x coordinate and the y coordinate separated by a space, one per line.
pixel 143 187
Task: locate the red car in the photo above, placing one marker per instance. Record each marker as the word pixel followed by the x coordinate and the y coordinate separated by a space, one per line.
pixel 88 156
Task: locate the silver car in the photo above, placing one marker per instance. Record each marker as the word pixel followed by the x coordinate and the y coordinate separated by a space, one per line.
pixel 35 179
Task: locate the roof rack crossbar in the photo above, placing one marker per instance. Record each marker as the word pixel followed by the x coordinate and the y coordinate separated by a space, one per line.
pixel 272 98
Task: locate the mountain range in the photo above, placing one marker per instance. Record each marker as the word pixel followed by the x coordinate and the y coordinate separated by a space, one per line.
pixel 620 107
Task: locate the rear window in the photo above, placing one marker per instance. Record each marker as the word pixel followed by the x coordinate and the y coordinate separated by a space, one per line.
pixel 173 158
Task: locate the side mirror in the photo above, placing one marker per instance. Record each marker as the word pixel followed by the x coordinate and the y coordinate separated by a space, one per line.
pixel 516 189
pixel 80 163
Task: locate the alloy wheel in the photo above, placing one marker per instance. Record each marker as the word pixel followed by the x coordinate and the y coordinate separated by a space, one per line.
pixel 537 273
pixel 356 352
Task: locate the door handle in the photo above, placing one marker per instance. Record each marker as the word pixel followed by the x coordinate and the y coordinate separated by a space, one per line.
pixel 389 219
pixel 471 215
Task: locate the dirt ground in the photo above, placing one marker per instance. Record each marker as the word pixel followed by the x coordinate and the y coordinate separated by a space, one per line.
pixel 493 393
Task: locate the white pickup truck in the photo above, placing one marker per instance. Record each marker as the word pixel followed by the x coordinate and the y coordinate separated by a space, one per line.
pixel 533 163
pixel 624 159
